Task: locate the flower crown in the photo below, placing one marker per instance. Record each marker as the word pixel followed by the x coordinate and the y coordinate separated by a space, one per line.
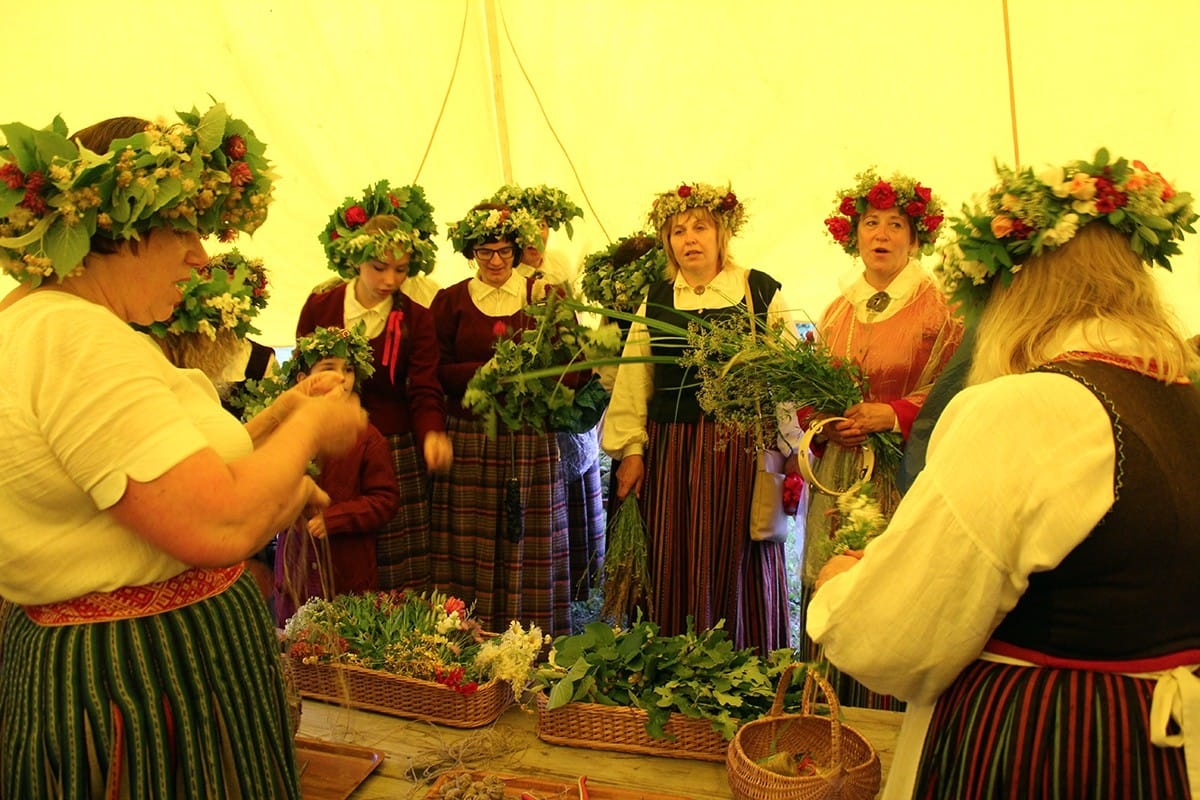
pixel 204 173
pixel 923 208
pixel 346 247
pixel 1026 214
pixel 723 203
pixel 351 345
pixel 543 202
pixel 227 294
pixel 614 280
pixel 493 224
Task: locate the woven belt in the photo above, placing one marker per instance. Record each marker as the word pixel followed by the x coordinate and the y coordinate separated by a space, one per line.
pixel 128 602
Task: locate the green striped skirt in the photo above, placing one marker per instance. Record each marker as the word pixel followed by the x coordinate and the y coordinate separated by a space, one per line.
pixel 188 703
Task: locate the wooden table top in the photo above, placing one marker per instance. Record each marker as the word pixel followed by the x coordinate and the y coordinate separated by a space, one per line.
pixel 408 742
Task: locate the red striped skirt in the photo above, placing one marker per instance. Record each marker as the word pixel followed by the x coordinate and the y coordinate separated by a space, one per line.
pixel 1018 732
pixel 703 564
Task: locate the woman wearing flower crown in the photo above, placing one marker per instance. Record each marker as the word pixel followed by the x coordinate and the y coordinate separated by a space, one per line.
pixel 376 242
pixel 691 474
pixel 579 453
pixel 140 664
pixel 333 551
pixel 1034 597
pixel 893 322
pixel 208 330
pixel 500 516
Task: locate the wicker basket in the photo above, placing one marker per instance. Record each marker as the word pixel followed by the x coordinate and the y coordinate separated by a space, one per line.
pixel 600 727
pixel 849 766
pixel 402 697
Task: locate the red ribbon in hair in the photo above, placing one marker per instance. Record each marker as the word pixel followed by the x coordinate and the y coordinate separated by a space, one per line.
pixel 391 344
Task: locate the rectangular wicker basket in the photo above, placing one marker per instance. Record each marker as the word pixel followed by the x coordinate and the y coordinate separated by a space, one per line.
pixel 599 727
pixel 398 696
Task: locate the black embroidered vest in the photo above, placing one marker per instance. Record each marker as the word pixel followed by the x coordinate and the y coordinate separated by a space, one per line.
pixel 675 387
pixel 1130 589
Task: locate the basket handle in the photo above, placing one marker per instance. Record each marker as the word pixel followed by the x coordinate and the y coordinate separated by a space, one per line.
pixel 813 681
pixel 785 680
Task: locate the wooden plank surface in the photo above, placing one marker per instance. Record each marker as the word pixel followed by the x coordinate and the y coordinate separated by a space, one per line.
pixel 408 742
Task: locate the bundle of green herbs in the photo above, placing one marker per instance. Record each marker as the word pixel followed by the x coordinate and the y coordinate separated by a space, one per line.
pixel 626 571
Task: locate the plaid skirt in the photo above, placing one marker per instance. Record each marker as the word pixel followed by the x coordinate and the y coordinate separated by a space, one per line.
pixel 402 547
pixel 187 704
pixel 585 519
pixel 499 528
pixel 1004 731
pixel 696 504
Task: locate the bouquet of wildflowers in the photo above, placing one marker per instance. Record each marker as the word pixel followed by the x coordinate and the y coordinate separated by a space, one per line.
pixel 742 373
pixel 861 519
pixel 426 637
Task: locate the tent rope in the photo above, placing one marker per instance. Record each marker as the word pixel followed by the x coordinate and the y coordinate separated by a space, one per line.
pixel 587 200
pixel 1012 93
pixel 462 36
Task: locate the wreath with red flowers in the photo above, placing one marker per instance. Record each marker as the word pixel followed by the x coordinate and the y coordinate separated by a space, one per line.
pixel 346 246
pixel 917 202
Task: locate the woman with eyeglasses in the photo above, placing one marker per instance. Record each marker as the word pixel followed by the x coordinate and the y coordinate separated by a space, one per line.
pixel 499 517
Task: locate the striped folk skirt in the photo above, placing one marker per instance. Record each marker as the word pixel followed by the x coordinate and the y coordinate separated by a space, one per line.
pixel 402 547
pixel 585 515
pixel 696 503
pixel 186 704
pixel 1004 731
pixel 504 549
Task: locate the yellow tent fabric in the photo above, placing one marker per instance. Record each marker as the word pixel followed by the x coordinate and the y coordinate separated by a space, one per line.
pixel 615 100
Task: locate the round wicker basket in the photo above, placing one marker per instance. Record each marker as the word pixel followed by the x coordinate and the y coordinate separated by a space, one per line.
pixel 848 766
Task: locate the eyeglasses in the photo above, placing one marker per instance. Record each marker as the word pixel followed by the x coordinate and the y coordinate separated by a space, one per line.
pixel 484 255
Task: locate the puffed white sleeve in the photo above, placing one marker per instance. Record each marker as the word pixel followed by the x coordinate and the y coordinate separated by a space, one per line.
pixel 624 430
pixel 1008 490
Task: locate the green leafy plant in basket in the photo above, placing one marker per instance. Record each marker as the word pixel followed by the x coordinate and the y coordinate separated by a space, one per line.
pixel 697 674
pixel 427 637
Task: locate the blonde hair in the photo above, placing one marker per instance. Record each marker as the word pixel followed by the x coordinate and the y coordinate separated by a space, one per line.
pixel 194 350
pixel 724 234
pixel 1095 276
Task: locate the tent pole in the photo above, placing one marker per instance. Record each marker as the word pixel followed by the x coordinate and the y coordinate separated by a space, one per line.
pixel 497 84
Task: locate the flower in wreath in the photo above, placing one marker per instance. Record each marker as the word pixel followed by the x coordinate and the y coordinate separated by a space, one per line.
pixel 620 275
pixel 1027 213
pixel 545 203
pixel 226 295
pixel 205 173
pixel 431 637
pixel 918 203
pixel 489 222
pixel 722 202
pixel 352 345
pixel 382 222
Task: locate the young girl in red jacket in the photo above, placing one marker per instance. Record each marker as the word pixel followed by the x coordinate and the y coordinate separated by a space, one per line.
pixel 333 551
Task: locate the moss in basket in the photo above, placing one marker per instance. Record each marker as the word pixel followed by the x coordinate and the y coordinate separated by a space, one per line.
pixel 697 674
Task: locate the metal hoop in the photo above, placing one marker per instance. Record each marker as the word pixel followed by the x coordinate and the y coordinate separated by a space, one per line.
pixel 866 468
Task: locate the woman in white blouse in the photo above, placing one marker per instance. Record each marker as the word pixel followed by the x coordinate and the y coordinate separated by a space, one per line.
pixel 692 475
pixel 1034 596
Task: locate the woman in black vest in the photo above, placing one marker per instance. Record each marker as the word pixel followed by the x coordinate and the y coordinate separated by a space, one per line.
pixel 1034 595
pixel 693 476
